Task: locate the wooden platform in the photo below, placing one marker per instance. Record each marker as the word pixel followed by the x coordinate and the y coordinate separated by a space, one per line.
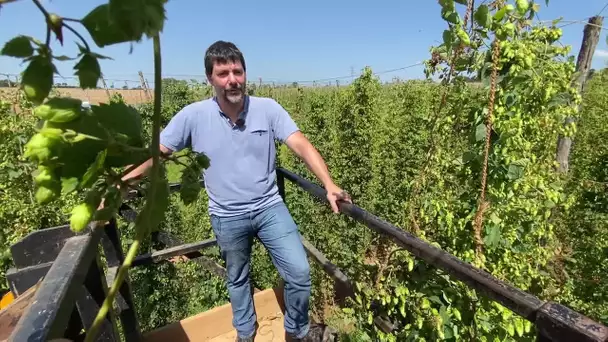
pixel 10 315
pixel 215 325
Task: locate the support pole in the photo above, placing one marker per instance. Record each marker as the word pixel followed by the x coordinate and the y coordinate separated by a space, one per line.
pixel 591 37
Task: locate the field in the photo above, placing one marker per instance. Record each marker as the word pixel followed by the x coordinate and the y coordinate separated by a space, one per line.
pixel 388 139
pixel 93 96
pixel 468 167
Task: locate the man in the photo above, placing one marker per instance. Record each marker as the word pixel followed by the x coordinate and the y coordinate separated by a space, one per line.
pixel 237 133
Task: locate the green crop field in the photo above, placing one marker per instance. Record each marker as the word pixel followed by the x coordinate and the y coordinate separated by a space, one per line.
pixel 469 167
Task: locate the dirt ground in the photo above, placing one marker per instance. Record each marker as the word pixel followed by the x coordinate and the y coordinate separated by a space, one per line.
pixel 93 96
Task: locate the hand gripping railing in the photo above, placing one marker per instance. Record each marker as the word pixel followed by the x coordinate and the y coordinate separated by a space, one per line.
pixel 553 321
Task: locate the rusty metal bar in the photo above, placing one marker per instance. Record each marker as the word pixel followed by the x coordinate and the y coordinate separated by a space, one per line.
pixel 168 253
pixel 344 284
pixel 554 321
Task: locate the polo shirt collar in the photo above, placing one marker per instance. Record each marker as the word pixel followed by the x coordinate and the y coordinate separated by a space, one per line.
pixel 242 115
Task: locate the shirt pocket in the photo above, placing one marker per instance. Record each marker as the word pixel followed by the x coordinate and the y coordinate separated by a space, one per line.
pixel 258 142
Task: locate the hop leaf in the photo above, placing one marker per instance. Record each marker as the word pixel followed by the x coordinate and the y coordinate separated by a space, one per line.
pixel 450 16
pixel 112 201
pixel 190 185
pixel 102 29
pixel 447 5
pixel 155 207
pixel 482 16
pixel 19 46
pixel 124 124
pixel 119 118
pixel 448 37
pixel 138 17
pixel 94 170
pixel 125 20
pixel 202 160
pixel 88 71
pixel 37 79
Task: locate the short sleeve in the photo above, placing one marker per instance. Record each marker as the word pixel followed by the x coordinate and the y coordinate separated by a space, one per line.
pixel 176 136
pixel 282 124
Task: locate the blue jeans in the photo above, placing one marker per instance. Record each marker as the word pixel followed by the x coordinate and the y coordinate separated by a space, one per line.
pixel 277 231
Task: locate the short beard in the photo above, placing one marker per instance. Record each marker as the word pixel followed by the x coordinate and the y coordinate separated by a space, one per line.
pixel 235 99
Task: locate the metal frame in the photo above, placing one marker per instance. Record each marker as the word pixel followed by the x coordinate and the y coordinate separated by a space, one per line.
pixel 553 321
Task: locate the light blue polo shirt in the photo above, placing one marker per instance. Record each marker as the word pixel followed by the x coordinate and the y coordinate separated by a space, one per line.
pixel 241 176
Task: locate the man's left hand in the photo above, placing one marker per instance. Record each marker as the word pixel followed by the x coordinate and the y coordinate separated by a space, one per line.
pixel 335 194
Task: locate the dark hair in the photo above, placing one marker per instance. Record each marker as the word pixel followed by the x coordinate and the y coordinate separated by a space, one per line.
pixel 222 52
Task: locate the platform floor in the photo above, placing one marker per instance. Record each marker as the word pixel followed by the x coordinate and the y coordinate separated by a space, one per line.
pixel 270 330
pixel 215 325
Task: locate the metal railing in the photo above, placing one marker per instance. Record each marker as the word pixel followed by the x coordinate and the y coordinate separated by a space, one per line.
pixel 553 321
pixel 72 284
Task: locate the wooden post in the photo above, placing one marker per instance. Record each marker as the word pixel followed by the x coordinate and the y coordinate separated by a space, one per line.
pixel 105 86
pixel 591 37
pixel 147 87
pixel 143 85
pixel 16 94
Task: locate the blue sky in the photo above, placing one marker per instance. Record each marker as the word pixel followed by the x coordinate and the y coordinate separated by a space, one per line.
pixel 282 41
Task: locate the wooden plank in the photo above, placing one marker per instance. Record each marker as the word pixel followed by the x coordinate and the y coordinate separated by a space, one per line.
pixel 9 316
pixel 48 315
pixel 215 322
pixel 41 246
pixel 20 280
pixel 169 240
pixel 168 253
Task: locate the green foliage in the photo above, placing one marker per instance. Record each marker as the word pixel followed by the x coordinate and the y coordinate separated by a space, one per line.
pixel 533 97
pixel 20 212
pixel 19 47
pixel 89 152
pixel 403 153
pixel 581 262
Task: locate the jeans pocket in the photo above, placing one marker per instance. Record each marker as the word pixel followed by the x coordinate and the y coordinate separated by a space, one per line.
pixel 216 225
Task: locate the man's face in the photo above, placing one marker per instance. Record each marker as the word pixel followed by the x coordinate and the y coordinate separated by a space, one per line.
pixel 229 81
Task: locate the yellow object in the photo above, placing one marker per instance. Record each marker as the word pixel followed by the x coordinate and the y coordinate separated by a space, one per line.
pixel 6 300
